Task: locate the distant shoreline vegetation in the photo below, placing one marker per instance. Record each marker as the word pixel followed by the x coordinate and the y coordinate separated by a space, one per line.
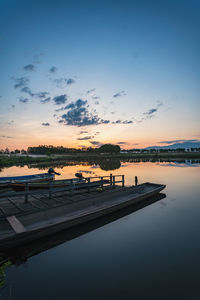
pixel 50 156
pixel 104 149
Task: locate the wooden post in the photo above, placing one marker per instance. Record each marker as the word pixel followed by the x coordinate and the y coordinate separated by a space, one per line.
pixel 50 189
pixel 26 192
pixel 88 185
pixel 102 182
pixel 71 187
pixel 136 180
pixel 113 181
pixel 122 180
pixel 110 179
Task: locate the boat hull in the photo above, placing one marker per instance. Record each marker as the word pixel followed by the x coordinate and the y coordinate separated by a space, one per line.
pixel 5 182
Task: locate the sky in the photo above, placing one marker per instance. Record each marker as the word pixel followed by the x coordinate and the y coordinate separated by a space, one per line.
pixel 86 73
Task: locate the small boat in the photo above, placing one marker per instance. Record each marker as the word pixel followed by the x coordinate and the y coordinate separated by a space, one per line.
pixel 44 215
pixel 76 183
pixel 5 182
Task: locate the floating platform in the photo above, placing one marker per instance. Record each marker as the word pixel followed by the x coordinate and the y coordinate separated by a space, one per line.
pixel 24 221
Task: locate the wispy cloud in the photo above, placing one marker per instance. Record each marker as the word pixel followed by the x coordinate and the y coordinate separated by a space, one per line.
pixel 96 143
pixel 37 58
pixel 178 141
pixel 123 122
pixel 53 70
pixel 85 138
pixel 21 82
pixel 150 112
pixel 29 67
pixel 23 100
pixel 46 100
pixel 95 97
pixel 91 91
pixel 83 131
pixel 119 94
pixel 6 137
pixel 28 91
pixel 122 143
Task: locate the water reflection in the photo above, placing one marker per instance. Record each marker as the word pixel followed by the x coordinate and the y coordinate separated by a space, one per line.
pixel 109 164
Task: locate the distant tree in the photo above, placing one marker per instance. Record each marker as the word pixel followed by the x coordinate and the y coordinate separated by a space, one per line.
pixel 6 151
pixel 109 148
pixel 23 151
pixel 17 151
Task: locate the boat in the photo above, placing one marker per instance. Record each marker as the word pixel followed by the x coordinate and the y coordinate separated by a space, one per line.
pixel 7 181
pixel 76 183
pixel 49 215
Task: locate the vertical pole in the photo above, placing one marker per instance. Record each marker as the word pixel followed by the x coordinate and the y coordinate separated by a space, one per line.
pixel 50 189
pixel 110 179
pixel 102 182
pixel 88 185
pixel 136 181
pixel 26 192
pixel 113 181
pixel 122 180
pixel 71 187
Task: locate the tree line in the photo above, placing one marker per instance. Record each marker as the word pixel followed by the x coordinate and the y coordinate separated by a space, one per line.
pixel 106 148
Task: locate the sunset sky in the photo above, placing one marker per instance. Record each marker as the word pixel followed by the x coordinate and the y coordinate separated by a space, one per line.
pixel 86 73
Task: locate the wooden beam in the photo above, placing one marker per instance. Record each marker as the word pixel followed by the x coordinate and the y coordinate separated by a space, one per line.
pixel 16 225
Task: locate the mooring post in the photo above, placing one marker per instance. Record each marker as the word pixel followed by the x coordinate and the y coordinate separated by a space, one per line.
pixel 88 185
pixel 50 189
pixel 26 192
pixel 110 179
pixel 122 180
pixel 113 181
pixel 71 187
pixel 102 182
pixel 136 180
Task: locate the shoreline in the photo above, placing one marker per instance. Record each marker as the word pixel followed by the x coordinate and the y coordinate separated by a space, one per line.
pixel 14 160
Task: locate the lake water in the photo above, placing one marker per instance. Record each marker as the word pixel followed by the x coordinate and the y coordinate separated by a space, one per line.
pixel 151 253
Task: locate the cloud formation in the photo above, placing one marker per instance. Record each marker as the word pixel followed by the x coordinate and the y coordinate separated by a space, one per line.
pixel 119 94
pixel 60 99
pixel 29 67
pixel 63 82
pixel 78 115
pixel 46 124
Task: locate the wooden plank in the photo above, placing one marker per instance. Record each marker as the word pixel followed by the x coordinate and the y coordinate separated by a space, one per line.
pixel 16 225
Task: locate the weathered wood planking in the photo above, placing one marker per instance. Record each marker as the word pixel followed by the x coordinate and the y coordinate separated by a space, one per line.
pixel 16 225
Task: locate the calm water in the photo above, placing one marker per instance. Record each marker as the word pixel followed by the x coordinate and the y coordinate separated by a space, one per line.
pixel 152 253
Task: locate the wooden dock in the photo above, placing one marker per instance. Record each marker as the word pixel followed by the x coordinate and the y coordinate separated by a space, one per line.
pixel 43 213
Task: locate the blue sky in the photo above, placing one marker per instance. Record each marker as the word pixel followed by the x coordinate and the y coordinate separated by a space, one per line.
pixel 134 66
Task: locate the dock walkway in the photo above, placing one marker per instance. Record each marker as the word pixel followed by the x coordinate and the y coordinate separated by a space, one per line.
pixel 10 206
